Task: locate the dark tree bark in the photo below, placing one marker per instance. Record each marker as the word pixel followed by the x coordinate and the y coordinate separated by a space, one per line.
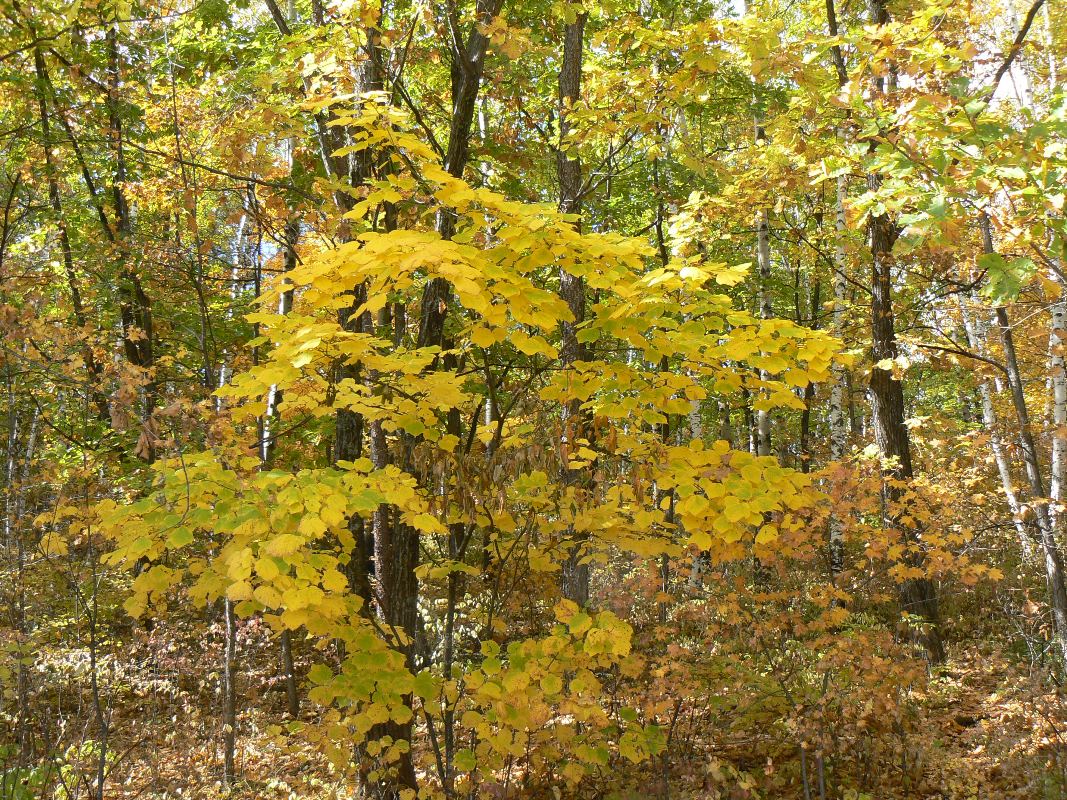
pixel 468 65
pixel 396 546
pixel 804 445
pixel 577 425
pixel 229 696
pixel 135 308
pixel 268 443
pixel 917 595
pixel 93 367
pixel 350 427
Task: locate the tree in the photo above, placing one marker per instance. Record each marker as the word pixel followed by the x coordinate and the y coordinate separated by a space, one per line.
pixel 389 389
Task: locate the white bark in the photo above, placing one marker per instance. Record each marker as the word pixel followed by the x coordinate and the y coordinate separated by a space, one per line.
pixel 696 427
pixel 1058 371
pixel 1053 77
pixel 977 337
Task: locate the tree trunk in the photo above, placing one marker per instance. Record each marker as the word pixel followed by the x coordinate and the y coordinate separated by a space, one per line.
pixel 396 546
pixel 268 440
pixel 135 309
pixel 814 302
pixel 761 435
pixel 977 337
pixel 1054 577
pixel 766 309
pixel 229 696
pixel 1058 369
pixel 292 696
pixel 93 367
pixel 574 577
pixel 840 389
pixel 917 595
pixel 357 168
pixel 1050 549
pixel 268 444
pixel 17 484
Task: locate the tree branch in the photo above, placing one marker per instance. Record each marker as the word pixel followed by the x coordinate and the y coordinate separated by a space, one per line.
pixel 1013 52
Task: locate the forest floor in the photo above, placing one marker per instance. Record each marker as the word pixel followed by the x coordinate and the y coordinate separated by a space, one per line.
pixel 995 730
pixel 985 728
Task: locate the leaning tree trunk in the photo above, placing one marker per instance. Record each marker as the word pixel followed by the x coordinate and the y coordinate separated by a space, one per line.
pixel 94 368
pixel 977 338
pixel 1054 577
pixel 1049 548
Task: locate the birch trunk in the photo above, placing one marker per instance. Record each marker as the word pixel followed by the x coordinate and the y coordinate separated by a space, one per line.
pixel 1053 561
pixel 977 337
pixel 1054 577
pixel 1058 374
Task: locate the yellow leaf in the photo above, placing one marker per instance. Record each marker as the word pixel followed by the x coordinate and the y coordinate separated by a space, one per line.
pixel 267 569
pixel 483 337
pixel 551 684
pixel 334 581
pixel 768 533
pixel 284 545
pixel 312 526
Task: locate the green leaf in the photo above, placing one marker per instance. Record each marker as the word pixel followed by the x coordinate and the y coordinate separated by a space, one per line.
pixel 425 686
pixel 1006 278
pixel 180 537
pixel 465 760
pixel 320 673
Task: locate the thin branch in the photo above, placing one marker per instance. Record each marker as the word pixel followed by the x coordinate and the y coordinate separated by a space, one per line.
pixel 6 230
pixel 961 352
pixel 279 18
pixel 1009 59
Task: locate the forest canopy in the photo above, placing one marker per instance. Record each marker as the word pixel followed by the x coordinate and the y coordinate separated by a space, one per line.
pixel 542 399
